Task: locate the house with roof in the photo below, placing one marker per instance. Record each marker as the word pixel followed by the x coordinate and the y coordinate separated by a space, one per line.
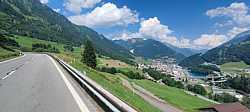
pixel 226 107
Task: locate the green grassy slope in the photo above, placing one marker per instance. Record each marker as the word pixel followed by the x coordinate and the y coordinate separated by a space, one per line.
pixel 234 67
pixel 26 42
pixel 113 84
pixel 5 54
pixel 33 19
pixel 174 96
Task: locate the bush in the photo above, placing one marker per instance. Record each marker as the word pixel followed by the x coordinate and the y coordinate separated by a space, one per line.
pixel 197 89
pixel 25 49
pixel 246 101
pixel 111 70
pixel 40 47
pixel 68 48
pixel 132 75
pixel 225 98
pixel 166 79
pixel 171 82
pixel 240 83
pixel 155 74
pixel 8 42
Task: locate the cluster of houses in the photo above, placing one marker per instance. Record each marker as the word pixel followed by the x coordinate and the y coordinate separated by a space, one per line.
pixel 167 66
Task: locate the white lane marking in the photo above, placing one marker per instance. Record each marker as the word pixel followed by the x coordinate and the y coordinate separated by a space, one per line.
pixel 76 96
pixel 9 74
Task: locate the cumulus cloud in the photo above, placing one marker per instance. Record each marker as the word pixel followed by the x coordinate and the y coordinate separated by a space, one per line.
pixel 214 40
pixel 152 27
pixel 107 15
pixel 185 43
pixel 235 18
pixel 235 31
pixel 209 40
pixel 238 12
pixel 44 1
pixel 76 6
pixel 126 36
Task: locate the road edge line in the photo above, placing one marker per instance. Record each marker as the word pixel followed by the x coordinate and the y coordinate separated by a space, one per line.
pixel 80 103
pixel 12 59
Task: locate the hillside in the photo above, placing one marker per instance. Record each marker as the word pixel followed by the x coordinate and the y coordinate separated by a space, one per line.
pixel 235 50
pixel 6 48
pixel 149 48
pixel 32 19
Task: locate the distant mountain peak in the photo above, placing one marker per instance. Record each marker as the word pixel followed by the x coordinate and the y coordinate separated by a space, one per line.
pixel 149 48
pixel 235 50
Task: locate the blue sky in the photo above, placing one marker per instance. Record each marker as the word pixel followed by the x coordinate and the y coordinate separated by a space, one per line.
pixel 198 24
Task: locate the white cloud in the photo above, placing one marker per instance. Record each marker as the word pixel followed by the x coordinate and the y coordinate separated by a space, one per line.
pixel 214 40
pixel 44 1
pixel 76 6
pixel 238 12
pixel 235 31
pixel 107 15
pixel 57 10
pixel 236 20
pixel 185 43
pixel 209 40
pixel 152 27
pixel 126 36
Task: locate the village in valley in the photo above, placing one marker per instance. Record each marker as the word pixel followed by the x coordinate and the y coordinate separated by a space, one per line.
pixel 211 82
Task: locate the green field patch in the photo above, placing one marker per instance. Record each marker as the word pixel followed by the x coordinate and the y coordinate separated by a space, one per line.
pixel 234 67
pixel 26 42
pixel 174 96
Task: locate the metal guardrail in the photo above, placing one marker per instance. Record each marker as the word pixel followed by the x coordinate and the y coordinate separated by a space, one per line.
pixel 110 101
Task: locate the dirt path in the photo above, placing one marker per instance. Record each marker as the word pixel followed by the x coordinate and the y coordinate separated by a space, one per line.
pixel 150 98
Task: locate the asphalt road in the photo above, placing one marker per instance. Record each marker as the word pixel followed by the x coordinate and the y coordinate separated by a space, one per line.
pixel 37 83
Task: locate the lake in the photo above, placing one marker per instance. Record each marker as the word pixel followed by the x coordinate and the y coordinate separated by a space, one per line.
pixel 196 75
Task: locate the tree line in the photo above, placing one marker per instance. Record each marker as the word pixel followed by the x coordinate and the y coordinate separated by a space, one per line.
pixel 166 79
pixel 240 83
pixel 41 47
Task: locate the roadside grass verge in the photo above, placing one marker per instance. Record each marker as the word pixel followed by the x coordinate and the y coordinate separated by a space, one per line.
pixel 174 96
pixel 112 83
pixel 5 54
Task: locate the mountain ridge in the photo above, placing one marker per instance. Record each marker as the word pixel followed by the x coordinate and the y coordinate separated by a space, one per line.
pixel 235 50
pixel 34 19
pixel 149 48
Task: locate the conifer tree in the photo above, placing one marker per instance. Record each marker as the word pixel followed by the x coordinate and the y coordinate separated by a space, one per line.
pixel 88 55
